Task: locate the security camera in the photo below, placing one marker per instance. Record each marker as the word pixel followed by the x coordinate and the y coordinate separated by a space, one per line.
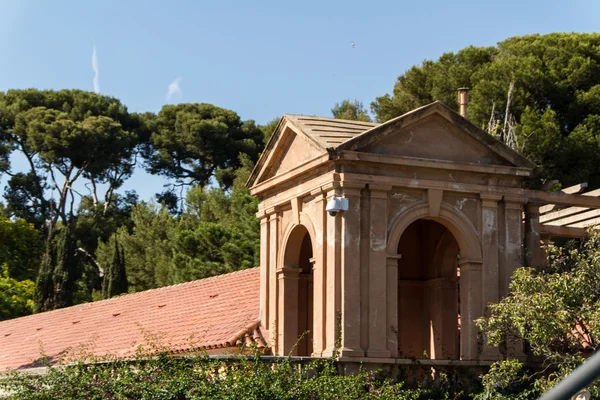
pixel 336 204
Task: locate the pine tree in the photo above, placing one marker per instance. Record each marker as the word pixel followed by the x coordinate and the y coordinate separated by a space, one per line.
pixel 115 278
pixel 56 281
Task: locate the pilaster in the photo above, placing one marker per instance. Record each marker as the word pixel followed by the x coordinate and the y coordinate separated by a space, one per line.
pixel 512 241
pixel 273 248
pixel 392 304
pixel 264 269
pixel 319 274
pixel 350 273
pixel 287 320
pixel 333 280
pixel 470 308
pixel 490 272
pixel 378 270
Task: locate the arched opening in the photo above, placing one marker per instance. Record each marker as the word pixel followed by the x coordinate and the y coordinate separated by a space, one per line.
pixel 428 292
pixel 298 293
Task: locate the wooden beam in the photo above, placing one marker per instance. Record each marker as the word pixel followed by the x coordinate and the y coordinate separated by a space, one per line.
pixel 575 188
pixel 574 219
pixel 587 223
pixel 562 231
pixel 537 196
pixel 568 190
pixel 566 212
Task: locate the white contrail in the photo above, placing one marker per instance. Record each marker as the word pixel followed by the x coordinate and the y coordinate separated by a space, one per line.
pixel 174 88
pixel 96 79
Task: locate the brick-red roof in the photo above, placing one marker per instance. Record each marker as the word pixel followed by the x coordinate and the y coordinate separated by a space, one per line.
pixel 215 312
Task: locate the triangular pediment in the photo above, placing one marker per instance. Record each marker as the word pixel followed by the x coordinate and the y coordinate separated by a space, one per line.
pixel 294 150
pixel 437 133
pixel 288 148
pixel 432 132
pixel 437 139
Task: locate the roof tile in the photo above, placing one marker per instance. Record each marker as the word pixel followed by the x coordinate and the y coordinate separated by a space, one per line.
pixel 211 313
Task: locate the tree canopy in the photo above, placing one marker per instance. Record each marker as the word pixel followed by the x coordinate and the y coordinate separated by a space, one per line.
pixel 351 110
pixel 555 102
pixel 555 309
pixel 193 142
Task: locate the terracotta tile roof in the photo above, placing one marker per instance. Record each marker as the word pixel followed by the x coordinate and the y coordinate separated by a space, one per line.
pixel 213 313
pixel 329 132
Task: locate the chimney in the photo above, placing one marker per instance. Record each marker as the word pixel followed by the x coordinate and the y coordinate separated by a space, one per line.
pixel 463 101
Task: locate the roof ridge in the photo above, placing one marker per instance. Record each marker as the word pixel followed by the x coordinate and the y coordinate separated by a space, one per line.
pixel 128 295
pixel 331 118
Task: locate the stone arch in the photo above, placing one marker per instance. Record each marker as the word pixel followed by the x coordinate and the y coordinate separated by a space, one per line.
pixel 304 221
pixel 457 223
pixel 435 329
pixel 296 293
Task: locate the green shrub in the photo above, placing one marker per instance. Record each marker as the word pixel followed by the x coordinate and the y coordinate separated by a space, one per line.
pixel 191 378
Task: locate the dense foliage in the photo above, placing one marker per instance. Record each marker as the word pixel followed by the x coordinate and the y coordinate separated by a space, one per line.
pixel 194 142
pixel 72 136
pixel 352 110
pixel 554 103
pixel 179 378
pixel 555 309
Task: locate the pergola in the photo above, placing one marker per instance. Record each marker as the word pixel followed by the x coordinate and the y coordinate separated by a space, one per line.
pixel 569 213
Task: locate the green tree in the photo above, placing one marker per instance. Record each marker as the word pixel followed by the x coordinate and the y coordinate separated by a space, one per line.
pixel 21 249
pixel 193 142
pixel 57 280
pixel 147 248
pixel 269 128
pixel 351 110
pixel 115 277
pixel 219 232
pixel 555 309
pixel 93 223
pixel 16 297
pixel 64 136
pixel 555 79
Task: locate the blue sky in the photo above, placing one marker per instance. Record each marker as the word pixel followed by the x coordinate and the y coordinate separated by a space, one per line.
pixel 261 58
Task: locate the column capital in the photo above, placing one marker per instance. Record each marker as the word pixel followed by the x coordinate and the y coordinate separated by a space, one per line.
pixel 532 208
pixel 351 188
pixel 470 265
pixel 392 259
pixel 262 216
pixel 490 200
pixel 270 211
pixel 514 202
pixel 288 272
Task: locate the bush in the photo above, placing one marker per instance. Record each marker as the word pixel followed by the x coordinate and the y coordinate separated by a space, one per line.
pixel 179 378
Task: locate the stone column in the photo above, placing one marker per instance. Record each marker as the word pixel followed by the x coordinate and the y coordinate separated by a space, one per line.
pixel 378 280
pixel 264 269
pixel 350 273
pixel 489 214
pixel 271 323
pixel 470 307
pixel 392 303
pixel 512 241
pixel 512 257
pixel 288 279
pixel 534 252
pixel 333 280
pixel 319 274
